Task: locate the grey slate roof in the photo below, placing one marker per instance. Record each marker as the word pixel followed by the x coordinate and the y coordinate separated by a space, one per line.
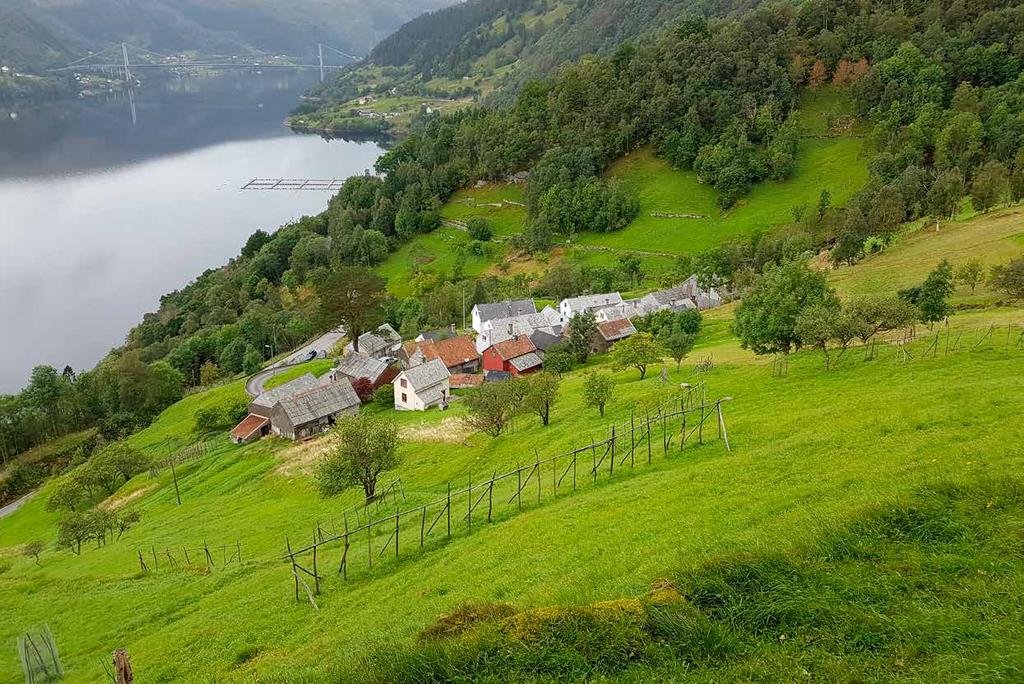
pixel 672 295
pixel 270 398
pixel 380 339
pixel 543 340
pixel 594 301
pixel 526 362
pixel 427 374
pixel 507 309
pixel 319 402
pixel 357 365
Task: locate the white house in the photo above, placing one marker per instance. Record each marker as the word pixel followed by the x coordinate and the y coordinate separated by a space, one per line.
pixel 509 308
pixel 423 386
pixel 498 330
pixel 576 305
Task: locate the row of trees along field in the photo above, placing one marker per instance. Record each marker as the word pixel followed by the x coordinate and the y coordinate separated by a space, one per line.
pixel 943 89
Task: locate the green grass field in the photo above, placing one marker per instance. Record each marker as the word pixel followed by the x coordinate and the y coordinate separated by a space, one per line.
pixel 812 452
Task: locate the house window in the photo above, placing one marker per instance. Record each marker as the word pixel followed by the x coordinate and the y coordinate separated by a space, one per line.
pixel 404 384
pixel 405 399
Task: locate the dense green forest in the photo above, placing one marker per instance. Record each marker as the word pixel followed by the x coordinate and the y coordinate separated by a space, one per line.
pixel 939 82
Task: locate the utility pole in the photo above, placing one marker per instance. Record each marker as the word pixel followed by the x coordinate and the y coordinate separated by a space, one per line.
pixel 321 47
pixel 127 71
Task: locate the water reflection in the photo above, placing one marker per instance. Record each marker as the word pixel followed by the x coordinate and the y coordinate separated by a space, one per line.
pixel 101 214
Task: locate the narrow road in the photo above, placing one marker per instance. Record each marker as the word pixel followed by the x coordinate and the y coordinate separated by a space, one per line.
pixel 15 505
pixel 321 345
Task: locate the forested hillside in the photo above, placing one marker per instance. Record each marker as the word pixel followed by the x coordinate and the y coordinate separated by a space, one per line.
pixel 35 34
pixel 482 45
pixel 938 86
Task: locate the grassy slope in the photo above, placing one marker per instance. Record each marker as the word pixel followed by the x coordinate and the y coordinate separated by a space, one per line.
pixel 993 238
pixel 825 161
pixel 810 450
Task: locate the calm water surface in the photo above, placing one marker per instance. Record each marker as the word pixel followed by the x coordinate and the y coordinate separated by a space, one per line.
pixel 107 204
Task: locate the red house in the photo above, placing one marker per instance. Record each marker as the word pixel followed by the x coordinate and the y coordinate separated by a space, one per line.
pixel 517 356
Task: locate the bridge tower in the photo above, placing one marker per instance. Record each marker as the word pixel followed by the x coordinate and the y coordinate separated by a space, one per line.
pixel 127 70
pixel 321 47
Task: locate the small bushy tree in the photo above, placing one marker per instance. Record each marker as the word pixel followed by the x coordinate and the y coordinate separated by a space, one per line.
pixel 971 273
pixel 367 445
pixel 541 394
pixel 385 396
pixel 639 351
pixel 1009 278
pixel 582 329
pixel 33 550
pixel 597 390
pixel 558 360
pixel 493 405
pixel 479 229
pixel 363 389
pixel 679 344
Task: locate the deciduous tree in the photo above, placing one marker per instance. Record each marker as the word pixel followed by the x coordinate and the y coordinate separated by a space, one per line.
pixel 366 445
pixel 597 390
pixel 638 351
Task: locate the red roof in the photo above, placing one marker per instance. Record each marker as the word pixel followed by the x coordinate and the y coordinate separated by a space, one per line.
pixel 454 351
pixel 250 424
pixel 464 380
pixel 517 346
pixel 614 330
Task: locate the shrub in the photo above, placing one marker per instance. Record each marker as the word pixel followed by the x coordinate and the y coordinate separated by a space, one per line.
pixel 363 389
pixel 384 396
pixel 479 229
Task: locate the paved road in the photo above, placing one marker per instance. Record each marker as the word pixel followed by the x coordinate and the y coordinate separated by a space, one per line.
pixel 15 505
pixel 321 345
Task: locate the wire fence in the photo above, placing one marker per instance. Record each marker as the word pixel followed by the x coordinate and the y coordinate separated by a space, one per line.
pixel 689 419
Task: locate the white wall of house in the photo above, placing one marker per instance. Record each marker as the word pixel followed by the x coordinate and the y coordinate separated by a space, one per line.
pixel 407 399
pixel 477 324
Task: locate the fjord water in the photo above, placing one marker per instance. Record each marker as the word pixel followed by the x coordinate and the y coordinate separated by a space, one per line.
pixel 108 203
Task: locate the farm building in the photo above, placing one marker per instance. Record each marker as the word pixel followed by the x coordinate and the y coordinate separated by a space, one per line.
pixel 355 365
pixel 508 309
pixel 610 332
pixel 420 387
pixel 502 329
pixel 517 356
pixel 573 306
pixel 381 343
pixel 459 354
pixel 313 411
pixel 265 402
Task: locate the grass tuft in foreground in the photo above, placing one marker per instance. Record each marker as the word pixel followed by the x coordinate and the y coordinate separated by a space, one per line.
pixel 910 590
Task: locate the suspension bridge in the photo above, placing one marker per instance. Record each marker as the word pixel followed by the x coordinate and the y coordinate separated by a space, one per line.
pixel 124 58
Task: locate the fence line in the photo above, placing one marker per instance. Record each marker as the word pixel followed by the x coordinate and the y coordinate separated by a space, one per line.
pixel 683 420
pixel 205 554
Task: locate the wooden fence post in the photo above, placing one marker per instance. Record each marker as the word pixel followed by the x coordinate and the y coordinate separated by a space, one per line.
pixel 469 503
pixel 122 667
pixel 490 495
pixel 423 524
pixel 519 486
pixel 295 573
pixel 648 414
pixel 611 465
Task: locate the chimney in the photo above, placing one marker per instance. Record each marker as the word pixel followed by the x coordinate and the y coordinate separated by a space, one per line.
pixel 510 328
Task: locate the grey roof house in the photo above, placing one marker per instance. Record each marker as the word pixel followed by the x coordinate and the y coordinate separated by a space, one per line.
pixel 510 308
pixel 380 343
pixel 315 410
pixel 264 403
pixel 420 387
pixel 355 365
